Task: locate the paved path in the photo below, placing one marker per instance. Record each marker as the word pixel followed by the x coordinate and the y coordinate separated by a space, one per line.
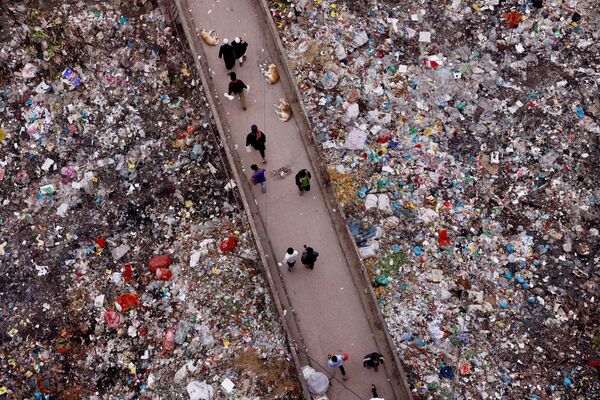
pixel 331 317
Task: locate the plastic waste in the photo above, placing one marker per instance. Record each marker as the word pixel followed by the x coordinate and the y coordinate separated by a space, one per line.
pixel 163 274
pixel 127 301
pixel 161 261
pixel 228 244
pixel 317 382
pixel 200 390
pixel 112 319
pixel 169 340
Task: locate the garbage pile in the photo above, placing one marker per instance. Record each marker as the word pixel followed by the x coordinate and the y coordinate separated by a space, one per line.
pixel 462 141
pixel 126 267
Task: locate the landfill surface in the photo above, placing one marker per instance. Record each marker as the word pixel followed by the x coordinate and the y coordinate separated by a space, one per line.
pixel 462 141
pixel 127 267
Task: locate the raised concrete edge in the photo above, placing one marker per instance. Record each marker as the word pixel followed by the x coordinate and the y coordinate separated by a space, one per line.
pixel 361 279
pixel 258 231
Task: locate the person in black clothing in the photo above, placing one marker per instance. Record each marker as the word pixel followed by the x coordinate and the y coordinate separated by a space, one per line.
pixel 257 140
pixel 226 52
pixel 236 86
pixel 309 257
pixel 374 391
pixel 303 181
pixel 239 48
pixel 372 360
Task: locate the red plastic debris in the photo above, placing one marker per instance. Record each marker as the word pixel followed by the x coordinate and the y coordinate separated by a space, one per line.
pixel 100 242
pixel 163 274
pixel 228 244
pixel 513 18
pixel 112 318
pixel 159 262
pixel 443 239
pixel 464 368
pixel 430 63
pixel 127 273
pixel 127 301
pixel 169 340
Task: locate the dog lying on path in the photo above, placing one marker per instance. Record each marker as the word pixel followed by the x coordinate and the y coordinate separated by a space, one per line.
pixel 209 37
pixel 283 110
pixel 270 72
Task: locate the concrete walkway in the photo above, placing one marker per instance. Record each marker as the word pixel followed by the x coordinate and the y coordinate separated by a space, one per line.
pixel 329 313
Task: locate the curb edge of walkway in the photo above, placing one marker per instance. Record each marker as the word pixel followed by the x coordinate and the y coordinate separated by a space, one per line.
pixel 348 245
pixel 292 337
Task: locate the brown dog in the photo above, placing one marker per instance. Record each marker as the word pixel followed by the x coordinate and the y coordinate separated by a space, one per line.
pixel 209 37
pixel 271 73
pixel 283 110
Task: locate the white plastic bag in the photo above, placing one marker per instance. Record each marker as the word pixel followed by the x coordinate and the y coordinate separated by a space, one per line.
pixel 369 251
pixel 370 201
pixel 383 203
pixel 355 139
pixel 200 390
pixel 248 149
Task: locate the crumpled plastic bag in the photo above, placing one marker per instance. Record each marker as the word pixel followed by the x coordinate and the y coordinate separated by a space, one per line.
pixel 355 139
pixel 205 336
pixel 317 382
pixel 369 251
pixel 362 232
pixel 329 80
pixel 360 39
pixel 29 71
pixel 340 52
pixel 200 390
pixel 351 112
pixel 370 201
pixel 383 203
pixel 434 330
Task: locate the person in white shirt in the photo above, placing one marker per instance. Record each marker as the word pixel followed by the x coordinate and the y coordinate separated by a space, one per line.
pixel 290 258
pixel 337 361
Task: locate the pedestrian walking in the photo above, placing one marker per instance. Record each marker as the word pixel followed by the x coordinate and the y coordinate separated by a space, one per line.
pixel 337 361
pixel 256 139
pixel 373 360
pixel 227 53
pixel 374 393
pixel 309 257
pixel 258 177
pixel 290 258
pixel 303 181
pixel 237 86
pixel 239 48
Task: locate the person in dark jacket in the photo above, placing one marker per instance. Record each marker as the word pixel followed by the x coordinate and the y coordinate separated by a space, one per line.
pixel 374 392
pixel 236 86
pixel 303 181
pixel 258 177
pixel 257 140
pixel 372 360
pixel 227 54
pixel 239 48
pixel 309 257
